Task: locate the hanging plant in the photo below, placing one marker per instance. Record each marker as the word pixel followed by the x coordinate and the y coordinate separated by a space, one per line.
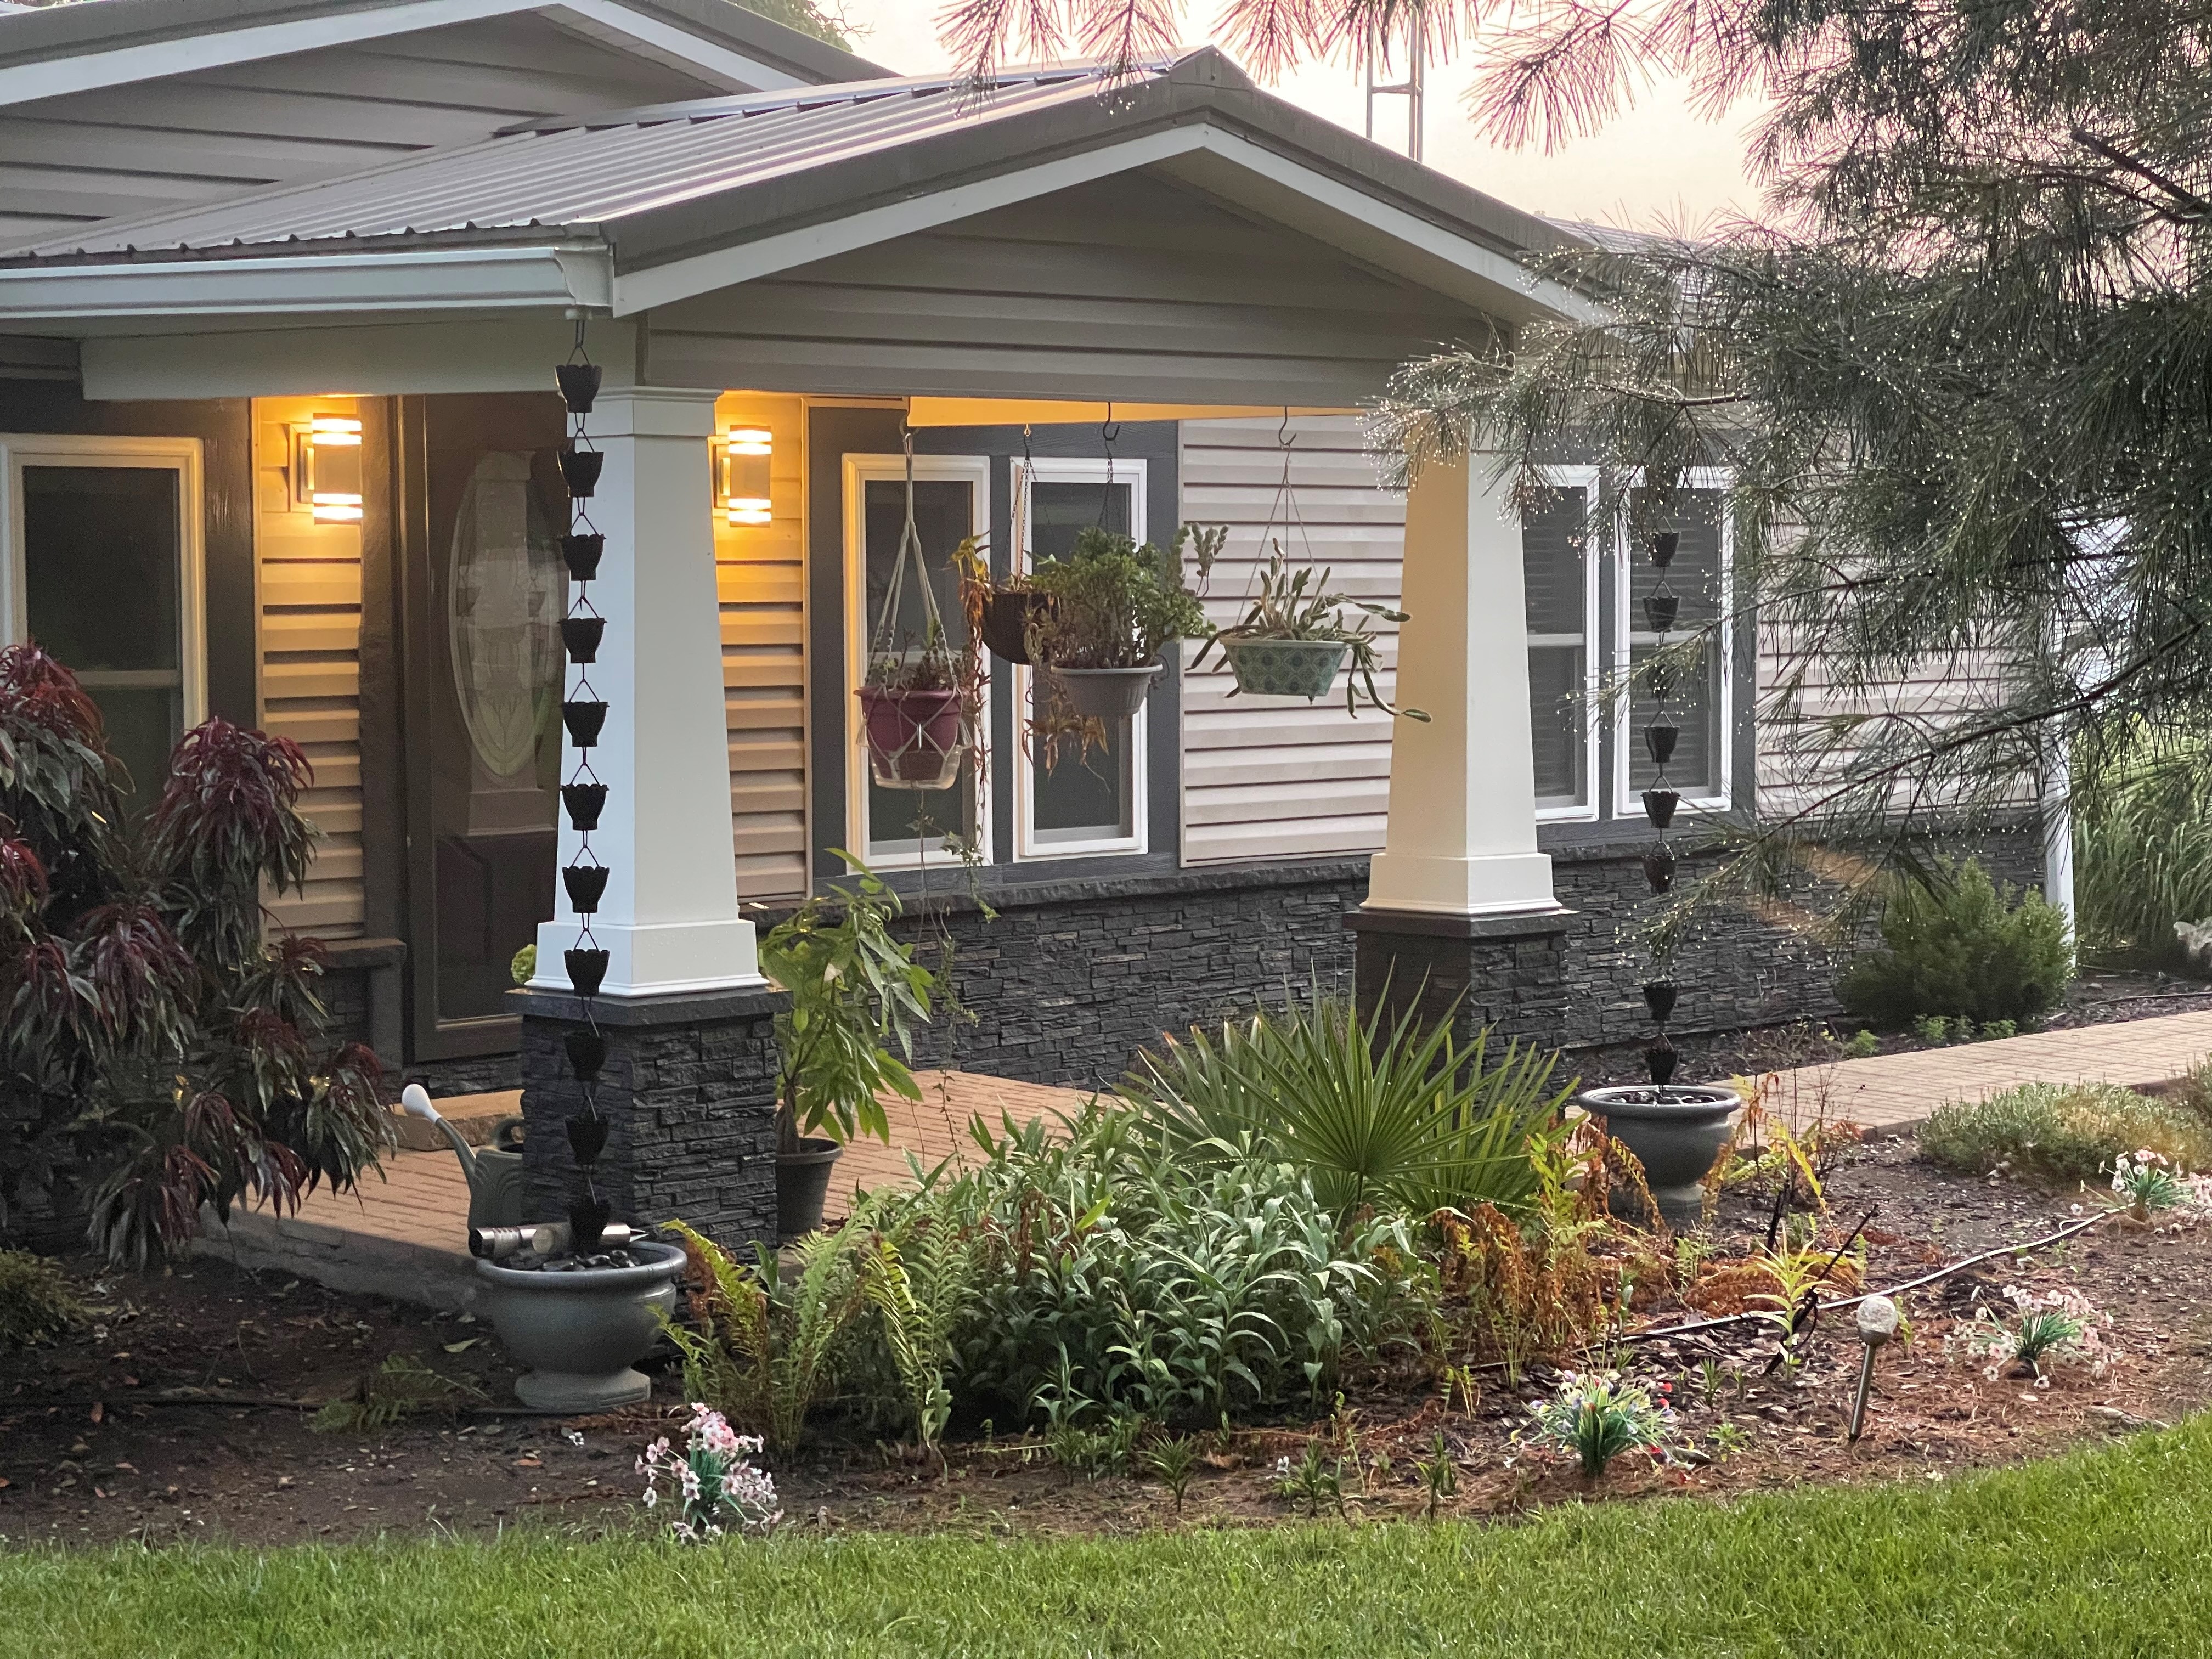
pixel 1295 637
pixel 1112 605
pixel 920 702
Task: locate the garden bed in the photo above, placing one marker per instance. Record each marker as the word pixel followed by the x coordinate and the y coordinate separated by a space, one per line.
pixel 88 1455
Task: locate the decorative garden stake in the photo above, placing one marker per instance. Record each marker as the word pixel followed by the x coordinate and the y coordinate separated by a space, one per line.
pixel 1877 1324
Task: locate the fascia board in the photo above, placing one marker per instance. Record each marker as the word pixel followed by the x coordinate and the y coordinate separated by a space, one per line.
pixel 460 279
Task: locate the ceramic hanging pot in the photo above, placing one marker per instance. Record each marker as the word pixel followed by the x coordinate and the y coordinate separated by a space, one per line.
pixel 914 737
pixel 1104 694
pixel 1285 668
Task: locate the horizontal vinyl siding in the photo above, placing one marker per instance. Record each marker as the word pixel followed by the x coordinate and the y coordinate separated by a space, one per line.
pixel 761 576
pixel 1266 777
pixel 86 156
pixel 308 577
pixel 1128 288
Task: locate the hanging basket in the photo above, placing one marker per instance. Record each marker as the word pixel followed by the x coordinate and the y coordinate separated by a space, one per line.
pixel 1285 668
pixel 1104 694
pixel 912 737
pixel 1006 613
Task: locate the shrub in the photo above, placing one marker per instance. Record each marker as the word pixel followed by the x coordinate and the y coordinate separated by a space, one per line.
pixel 1959 944
pixel 36 1302
pixel 154 1049
pixel 1371 1112
pixel 2062 1132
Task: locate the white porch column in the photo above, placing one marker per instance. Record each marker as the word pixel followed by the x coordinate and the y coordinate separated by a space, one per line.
pixel 1461 839
pixel 669 921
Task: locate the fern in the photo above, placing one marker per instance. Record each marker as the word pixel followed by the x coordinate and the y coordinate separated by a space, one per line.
pixel 402 1387
pixel 916 1347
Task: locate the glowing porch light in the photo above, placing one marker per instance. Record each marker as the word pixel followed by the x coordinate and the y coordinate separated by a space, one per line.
pixel 331 460
pixel 746 453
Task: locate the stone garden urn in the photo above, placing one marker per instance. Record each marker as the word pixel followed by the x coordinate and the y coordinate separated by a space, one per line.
pixel 579 1330
pixel 1676 1131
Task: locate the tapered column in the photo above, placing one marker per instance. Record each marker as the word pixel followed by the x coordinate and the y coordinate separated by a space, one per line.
pixel 1461 839
pixel 1459 921
pixel 669 920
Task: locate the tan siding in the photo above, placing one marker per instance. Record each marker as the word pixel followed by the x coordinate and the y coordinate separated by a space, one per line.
pixel 1266 778
pixel 90 155
pixel 761 577
pixel 308 577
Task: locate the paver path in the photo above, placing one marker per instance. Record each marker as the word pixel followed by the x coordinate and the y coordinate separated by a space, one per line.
pixel 1890 1090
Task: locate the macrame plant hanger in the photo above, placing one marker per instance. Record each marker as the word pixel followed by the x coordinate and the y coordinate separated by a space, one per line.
pixel 916 739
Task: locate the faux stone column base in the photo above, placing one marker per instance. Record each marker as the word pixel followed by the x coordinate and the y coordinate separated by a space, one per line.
pixel 1506 971
pixel 689 1093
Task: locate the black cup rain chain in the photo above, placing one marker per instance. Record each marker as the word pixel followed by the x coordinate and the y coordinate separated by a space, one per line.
pixel 584 712
pixel 1660 607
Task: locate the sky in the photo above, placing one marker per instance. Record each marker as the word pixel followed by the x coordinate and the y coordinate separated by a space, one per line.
pixel 1657 167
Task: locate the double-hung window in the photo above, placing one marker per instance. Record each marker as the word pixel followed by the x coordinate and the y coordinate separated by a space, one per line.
pixel 99 564
pixel 1091 802
pixel 1560 555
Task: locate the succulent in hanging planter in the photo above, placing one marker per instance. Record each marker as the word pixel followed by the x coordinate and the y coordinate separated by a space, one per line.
pixel 1294 637
pixel 916 715
pixel 997 612
pixel 1115 605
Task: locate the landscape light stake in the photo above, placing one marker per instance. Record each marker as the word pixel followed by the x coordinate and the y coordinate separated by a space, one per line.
pixel 584 712
pixel 1877 1323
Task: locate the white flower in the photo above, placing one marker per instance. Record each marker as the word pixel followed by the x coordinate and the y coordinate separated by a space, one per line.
pixel 652 1496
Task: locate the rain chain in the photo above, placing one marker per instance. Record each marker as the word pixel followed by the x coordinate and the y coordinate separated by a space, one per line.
pixel 584 712
pixel 1661 606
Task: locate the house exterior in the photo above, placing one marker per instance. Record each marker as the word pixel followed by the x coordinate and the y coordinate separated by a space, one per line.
pixel 281 286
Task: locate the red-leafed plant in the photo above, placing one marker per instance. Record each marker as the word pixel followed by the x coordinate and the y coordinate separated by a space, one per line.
pixel 157 1054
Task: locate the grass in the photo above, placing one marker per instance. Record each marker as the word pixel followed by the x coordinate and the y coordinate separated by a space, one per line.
pixel 2100 1553
pixel 2062 1132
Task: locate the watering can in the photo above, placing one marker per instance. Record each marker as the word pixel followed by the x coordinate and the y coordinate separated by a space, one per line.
pixel 494 1172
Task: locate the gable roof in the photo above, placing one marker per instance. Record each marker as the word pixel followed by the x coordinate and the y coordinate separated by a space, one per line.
pixel 57 49
pixel 691 196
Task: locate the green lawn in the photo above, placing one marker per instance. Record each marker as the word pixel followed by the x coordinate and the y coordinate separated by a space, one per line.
pixel 2100 1553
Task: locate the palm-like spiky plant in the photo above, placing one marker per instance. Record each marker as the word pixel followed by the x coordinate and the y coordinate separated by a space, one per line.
pixel 156 1053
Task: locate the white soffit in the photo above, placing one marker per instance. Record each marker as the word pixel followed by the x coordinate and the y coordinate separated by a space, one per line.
pixel 603 20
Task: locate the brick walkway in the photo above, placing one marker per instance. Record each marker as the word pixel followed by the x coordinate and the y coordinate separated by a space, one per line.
pixel 406 1235
pixel 1889 1090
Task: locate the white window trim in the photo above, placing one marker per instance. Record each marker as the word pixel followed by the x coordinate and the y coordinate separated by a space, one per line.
pixel 1027 848
pixel 1627 803
pixel 1584 479
pixel 860 470
pixel 178 455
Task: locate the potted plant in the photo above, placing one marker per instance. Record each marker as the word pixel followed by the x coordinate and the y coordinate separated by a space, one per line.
pixel 997 612
pixel 1294 638
pixel 1112 605
pixel 913 707
pixel 856 993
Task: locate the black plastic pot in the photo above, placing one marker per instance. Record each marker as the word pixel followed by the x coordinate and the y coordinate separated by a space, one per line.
pixel 585 802
pixel 802 1186
pixel 588 970
pixel 579 386
pixel 579 471
pixel 1006 613
pixel 1659 806
pixel 586 884
pixel 580 636
pixel 582 554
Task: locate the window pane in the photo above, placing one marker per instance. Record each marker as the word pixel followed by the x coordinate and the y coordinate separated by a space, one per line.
pixel 1059 512
pixel 909 820
pixel 1693 704
pixel 1554 552
pixel 101 558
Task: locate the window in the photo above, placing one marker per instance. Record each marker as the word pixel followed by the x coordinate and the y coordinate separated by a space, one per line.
pixel 1091 803
pixel 102 567
pixel 1698 700
pixel 1560 574
pixel 902 828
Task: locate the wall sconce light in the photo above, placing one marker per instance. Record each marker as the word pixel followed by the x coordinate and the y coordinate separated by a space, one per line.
pixel 745 456
pixel 326 468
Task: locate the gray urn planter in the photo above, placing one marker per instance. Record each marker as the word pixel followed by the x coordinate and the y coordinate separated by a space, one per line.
pixel 1105 694
pixel 578 1335
pixel 1676 1132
